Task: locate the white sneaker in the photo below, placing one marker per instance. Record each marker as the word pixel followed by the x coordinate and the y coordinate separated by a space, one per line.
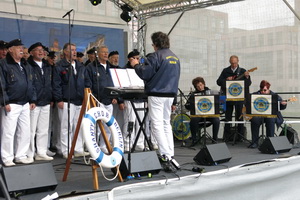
pixel 25 161
pixel 65 156
pixel 50 153
pixel 30 159
pixel 139 147
pixel 9 163
pixel 81 154
pixel 154 145
pixel 43 157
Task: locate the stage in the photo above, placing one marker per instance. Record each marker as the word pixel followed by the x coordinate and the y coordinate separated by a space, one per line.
pixel 249 174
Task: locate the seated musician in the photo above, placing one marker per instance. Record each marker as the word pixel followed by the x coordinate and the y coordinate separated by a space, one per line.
pixel 199 85
pixel 256 122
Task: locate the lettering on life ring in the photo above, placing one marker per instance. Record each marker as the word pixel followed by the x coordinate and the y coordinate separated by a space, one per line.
pixel 88 128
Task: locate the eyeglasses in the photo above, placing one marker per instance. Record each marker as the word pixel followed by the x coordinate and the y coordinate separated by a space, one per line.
pixel 264 90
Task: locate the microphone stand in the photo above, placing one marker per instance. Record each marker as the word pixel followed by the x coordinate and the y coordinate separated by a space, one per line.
pixel 129 129
pixel 70 75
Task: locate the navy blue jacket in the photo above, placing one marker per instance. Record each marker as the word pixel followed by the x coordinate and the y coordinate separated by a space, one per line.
pixel 42 82
pixel 99 78
pixel 227 72
pixel 18 86
pixel 191 96
pixel 161 73
pixel 60 85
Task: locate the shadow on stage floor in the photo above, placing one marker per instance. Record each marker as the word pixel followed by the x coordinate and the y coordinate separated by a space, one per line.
pixel 80 180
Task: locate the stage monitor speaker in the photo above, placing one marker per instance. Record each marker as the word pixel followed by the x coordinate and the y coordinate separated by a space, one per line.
pixel 272 145
pixel 141 163
pixel 29 178
pixel 213 154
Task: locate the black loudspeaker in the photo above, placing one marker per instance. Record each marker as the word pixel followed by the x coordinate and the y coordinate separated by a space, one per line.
pixel 213 154
pixel 29 178
pixel 276 145
pixel 142 163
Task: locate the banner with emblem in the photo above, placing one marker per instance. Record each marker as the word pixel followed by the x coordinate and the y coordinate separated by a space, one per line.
pixel 205 106
pixel 235 90
pixel 262 105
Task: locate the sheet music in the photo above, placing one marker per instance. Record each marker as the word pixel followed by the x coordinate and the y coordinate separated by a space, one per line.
pixel 114 77
pixel 135 80
pixel 126 78
pixel 120 77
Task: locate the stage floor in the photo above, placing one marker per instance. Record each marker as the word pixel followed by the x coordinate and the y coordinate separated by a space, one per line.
pixel 80 180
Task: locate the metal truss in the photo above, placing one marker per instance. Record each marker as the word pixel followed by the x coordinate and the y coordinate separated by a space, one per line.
pixel 144 9
pixel 159 8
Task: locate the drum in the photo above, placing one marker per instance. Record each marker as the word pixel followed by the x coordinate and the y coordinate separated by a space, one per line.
pixel 181 127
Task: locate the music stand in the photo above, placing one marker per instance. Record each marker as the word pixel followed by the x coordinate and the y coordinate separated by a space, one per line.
pixel 205 106
pixel 235 92
pixel 261 105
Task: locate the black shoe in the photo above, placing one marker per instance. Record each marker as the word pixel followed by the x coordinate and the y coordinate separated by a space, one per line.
pixel 193 144
pixel 214 141
pixel 167 167
pixel 166 164
pixel 253 146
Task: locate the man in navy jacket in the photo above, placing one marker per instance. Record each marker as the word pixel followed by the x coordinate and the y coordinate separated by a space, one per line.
pixel 68 85
pixel 161 76
pixel 18 97
pixel 39 116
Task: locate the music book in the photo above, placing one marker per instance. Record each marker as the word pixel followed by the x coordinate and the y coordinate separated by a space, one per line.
pixel 126 78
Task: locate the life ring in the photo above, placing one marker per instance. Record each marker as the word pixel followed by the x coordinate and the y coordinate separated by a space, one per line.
pixel 88 129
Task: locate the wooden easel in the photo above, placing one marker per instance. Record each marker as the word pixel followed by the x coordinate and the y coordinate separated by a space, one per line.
pixel 88 103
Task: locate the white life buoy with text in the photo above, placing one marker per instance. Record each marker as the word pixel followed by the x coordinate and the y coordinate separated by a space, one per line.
pixel 89 132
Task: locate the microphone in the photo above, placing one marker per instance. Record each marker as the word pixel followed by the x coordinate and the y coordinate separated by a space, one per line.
pixel 96 52
pixel 67 13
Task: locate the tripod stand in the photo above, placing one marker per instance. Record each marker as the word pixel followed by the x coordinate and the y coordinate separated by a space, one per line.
pixel 235 133
pixel 130 129
pixel 205 135
pixel 259 140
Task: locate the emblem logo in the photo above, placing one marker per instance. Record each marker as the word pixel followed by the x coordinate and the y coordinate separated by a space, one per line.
pixel 261 104
pixel 235 89
pixel 204 105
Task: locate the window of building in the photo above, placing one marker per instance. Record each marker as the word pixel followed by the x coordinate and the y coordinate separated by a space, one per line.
pixel 57 4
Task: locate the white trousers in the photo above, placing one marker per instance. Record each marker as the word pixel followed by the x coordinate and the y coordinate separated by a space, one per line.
pixel 39 130
pixel 129 116
pixel 63 117
pixel 15 129
pixel 160 114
